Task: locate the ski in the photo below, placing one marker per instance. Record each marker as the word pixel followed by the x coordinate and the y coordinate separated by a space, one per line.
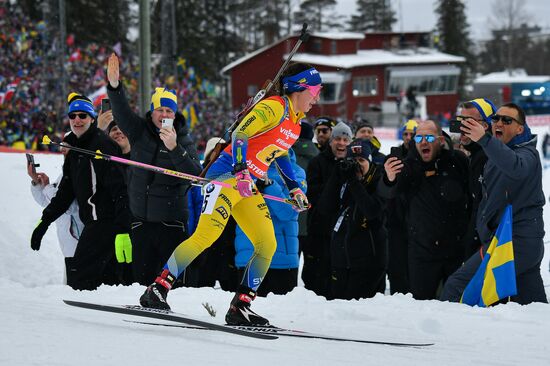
pixel 288 333
pixel 167 315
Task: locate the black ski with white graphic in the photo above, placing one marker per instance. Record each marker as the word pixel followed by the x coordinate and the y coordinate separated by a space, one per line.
pixel 289 333
pixel 167 315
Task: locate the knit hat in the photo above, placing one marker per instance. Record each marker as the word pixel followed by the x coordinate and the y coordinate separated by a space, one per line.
pixel 341 130
pixel 163 97
pixel 360 148
pixel 363 123
pixel 325 121
pixel 307 131
pixel 292 83
pixel 110 126
pixel 410 126
pixel 485 108
pixel 80 103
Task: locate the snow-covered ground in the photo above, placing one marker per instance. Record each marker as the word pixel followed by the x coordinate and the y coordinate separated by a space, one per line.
pixel 39 329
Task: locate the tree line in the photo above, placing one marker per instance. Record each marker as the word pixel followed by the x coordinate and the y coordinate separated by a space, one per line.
pixel 211 33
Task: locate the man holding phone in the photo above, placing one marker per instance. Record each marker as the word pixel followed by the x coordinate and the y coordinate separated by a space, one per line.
pixel 158 202
pixel 477 111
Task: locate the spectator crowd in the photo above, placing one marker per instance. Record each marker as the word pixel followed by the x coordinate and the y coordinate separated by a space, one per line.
pixel 420 219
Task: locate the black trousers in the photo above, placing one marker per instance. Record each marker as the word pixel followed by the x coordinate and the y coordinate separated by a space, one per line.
pixel 428 271
pixel 152 244
pixel 278 281
pixel 94 262
pixel 355 283
pixel 398 267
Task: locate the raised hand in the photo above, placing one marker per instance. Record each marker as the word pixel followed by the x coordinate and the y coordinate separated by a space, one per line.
pixel 113 70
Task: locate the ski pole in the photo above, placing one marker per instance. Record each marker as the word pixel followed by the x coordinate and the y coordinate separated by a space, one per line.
pixel 174 173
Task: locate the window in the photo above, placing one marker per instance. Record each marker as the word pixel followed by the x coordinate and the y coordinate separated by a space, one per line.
pixel 333 48
pixel 251 90
pixel 365 86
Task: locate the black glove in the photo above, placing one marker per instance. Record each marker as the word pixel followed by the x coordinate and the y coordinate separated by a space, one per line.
pixel 38 234
pixel 261 184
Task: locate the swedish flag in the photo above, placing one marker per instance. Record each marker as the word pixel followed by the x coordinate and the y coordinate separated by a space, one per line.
pixel 495 278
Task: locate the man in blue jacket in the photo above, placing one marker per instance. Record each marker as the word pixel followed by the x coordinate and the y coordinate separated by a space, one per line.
pixel 512 175
pixel 282 275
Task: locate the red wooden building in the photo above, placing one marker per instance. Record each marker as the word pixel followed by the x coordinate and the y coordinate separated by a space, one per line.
pixel 361 73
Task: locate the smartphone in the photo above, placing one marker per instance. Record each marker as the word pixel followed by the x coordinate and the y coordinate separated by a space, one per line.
pixel 396 152
pixel 30 161
pixel 167 122
pixel 105 105
pixel 454 126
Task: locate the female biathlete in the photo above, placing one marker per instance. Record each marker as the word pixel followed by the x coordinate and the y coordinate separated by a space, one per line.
pixel 263 136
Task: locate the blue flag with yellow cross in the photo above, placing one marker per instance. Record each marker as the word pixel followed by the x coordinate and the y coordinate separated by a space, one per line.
pixel 495 278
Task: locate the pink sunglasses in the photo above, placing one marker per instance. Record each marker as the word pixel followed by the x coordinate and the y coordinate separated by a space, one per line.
pixel 314 90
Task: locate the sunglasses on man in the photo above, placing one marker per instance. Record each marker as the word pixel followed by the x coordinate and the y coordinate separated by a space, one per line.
pixel 322 130
pixel 429 138
pixel 79 115
pixel 507 120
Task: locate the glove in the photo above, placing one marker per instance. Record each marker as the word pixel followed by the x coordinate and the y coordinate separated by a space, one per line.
pixel 244 183
pixel 38 234
pixel 262 184
pixel 300 199
pixel 123 248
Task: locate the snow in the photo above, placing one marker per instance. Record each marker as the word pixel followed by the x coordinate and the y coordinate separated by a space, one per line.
pixel 378 57
pixel 516 76
pixel 39 329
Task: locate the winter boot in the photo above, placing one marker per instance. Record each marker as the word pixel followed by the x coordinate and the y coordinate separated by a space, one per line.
pixel 156 293
pixel 239 312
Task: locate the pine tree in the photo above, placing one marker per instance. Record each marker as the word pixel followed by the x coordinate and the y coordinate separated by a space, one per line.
pixel 373 15
pixel 319 15
pixel 454 35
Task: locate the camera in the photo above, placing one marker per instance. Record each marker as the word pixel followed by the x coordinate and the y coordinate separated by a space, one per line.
pixel 454 126
pixel 348 163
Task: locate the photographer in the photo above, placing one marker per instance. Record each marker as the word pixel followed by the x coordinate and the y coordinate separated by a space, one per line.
pixel 358 247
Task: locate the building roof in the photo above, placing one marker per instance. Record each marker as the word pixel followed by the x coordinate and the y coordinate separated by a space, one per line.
pixel 379 57
pixel 339 35
pixel 515 76
pixel 251 55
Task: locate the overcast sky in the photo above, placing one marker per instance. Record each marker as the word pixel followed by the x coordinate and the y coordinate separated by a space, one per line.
pixel 419 14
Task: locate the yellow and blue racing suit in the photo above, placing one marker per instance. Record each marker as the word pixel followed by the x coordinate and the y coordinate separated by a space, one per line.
pixel 263 136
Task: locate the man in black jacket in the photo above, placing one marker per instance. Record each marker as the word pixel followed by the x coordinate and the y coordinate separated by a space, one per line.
pixel 434 179
pixel 512 175
pixel 316 270
pixel 479 111
pixel 98 186
pixel 396 208
pixel 158 202
pixel 358 246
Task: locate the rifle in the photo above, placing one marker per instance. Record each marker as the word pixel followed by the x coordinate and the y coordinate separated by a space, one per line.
pixel 219 147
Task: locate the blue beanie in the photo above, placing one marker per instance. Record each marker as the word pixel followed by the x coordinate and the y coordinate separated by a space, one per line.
pixel 80 103
pixel 292 83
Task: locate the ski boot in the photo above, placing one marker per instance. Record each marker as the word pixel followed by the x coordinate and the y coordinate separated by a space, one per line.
pixel 156 293
pixel 239 312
